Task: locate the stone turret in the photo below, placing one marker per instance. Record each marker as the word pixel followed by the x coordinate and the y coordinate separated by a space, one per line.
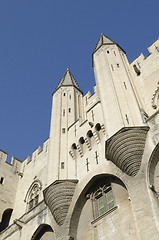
pixel 66 109
pixel 121 108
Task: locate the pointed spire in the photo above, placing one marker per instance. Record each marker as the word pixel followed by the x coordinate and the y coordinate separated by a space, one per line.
pixel 68 80
pixel 103 40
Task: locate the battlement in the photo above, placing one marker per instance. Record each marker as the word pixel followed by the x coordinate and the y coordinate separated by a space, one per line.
pixel 153 49
pixel 90 99
pixel 16 165
pixel 37 152
pixel 4 158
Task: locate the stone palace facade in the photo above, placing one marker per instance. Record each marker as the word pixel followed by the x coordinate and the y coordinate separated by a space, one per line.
pixel 97 175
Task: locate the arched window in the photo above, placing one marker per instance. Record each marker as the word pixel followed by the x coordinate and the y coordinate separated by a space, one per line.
pixel 98 127
pixel 103 200
pixel 89 134
pixel 32 197
pixel 81 140
pixel 44 231
pixel 5 219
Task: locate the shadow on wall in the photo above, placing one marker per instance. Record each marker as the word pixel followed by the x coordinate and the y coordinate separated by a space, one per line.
pixel 101 182
pixel 5 219
pixel 44 231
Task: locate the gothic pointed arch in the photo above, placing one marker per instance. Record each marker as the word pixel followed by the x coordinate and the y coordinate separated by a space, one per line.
pixel 43 232
pixel 97 203
pixel 152 181
pixel 32 195
pixel 5 219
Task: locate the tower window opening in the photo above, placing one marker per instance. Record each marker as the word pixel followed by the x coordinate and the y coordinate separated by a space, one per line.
pixel 81 140
pixel 1 180
pixel 64 94
pixel 62 165
pixel 138 64
pixel 90 134
pixel 136 70
pixel 70 96
pixel 63 130
pixel 108 52
pixel 69 110
pixel 118 65
pixel 98 127
pixel 157 48
pixel 63 112
pixel 112 67
pixel 74 146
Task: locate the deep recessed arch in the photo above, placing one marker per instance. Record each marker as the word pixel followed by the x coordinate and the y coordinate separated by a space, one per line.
pixel 5 219
pixel 43 232
pixel 85 195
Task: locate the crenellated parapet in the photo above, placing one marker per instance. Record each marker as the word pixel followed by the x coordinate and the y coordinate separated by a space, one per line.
pixel 13 164
pixel 153 49
pixel 37 153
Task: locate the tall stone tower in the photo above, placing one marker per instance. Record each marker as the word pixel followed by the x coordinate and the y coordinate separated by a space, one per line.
pixel 121 107
pixel 96 176
pixel 66 109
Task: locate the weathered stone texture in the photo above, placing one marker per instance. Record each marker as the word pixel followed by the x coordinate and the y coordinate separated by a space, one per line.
pixel 126 147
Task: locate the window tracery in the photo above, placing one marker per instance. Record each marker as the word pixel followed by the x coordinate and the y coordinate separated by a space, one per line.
pixel 102 200
pixel 33 195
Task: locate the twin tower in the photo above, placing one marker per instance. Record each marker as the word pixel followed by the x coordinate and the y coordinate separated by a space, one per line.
pixel 118 106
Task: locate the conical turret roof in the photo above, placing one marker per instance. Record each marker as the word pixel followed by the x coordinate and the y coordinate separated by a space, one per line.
pixel 68 80
pixel 104 40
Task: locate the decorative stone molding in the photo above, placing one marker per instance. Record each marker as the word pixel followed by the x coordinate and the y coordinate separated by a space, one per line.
pixel 58 197
pixel 72 154
pixel 88 143
pixel 103 129
pixel 96 136
pixel 125 149
pixel 79 150
pixel 155 97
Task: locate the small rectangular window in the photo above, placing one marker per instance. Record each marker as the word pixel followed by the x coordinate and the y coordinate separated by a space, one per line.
pixel 64 94
pixel 112 67
pixel 62 165
pixel 1 180
pixel 114 53
pixel 64 112
pixel 118 65
pixel 63 130
pixel 69 110
pixel 70 96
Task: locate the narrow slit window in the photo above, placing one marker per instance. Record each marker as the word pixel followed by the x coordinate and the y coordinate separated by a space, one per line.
pixel 157 49
pixel 69 110
pixel 63 130
pixel 138 64
pixel 63 112
pixel 118 65
pixel 62 165
pixel 108 52
pixel 64 94
pixel 112 67
pixel 114 53
pixel 1 180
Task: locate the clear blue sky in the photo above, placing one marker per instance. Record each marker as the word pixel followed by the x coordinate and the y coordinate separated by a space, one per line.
pixel 39 39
